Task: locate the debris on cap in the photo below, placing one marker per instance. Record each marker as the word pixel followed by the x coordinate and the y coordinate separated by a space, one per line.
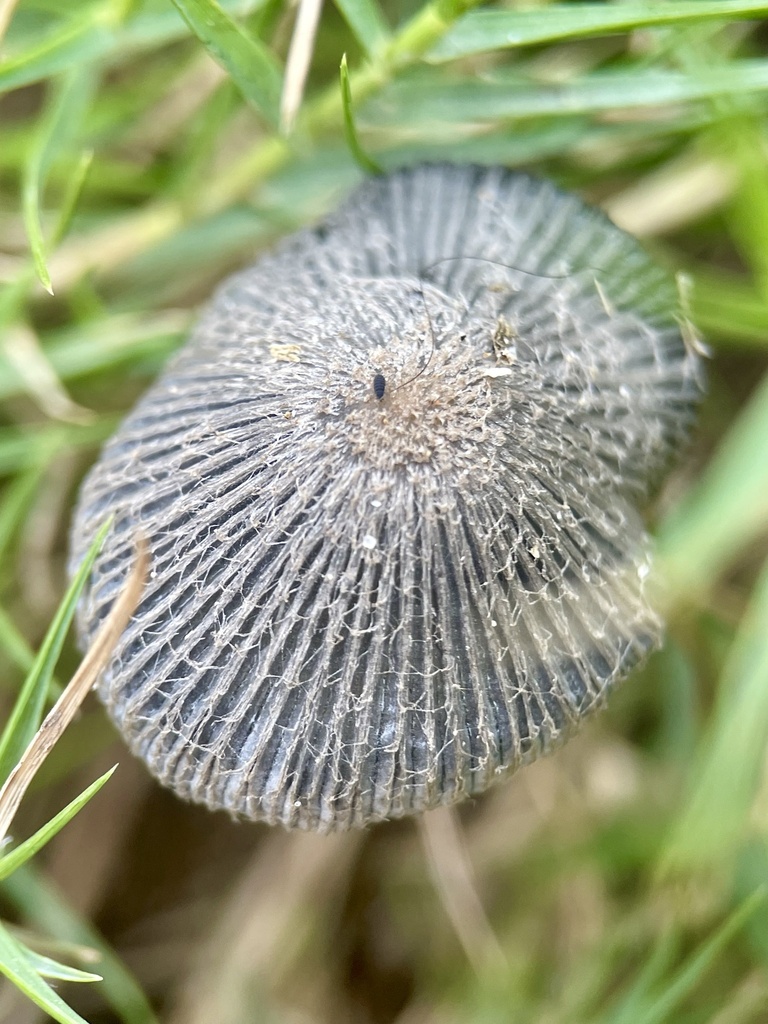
pixel 365 605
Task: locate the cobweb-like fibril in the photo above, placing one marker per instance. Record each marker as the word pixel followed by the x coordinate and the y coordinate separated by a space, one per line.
pixel 362 607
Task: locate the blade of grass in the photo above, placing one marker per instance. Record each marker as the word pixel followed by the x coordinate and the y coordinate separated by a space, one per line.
pixel 48 968
pixel 728 768
pixel 700 962
pixel 95 38
pixel 13 296
pixel 59 124
pixel 15 503
pixel 21 448
pixel 324 112
pixel 350 132
pixel 367 22
pixel 321 115
pixel 420 101
pixel 726 510
pixel 481 31
pixel 14 959
pixel 10 862
pixel 75 185
pixel 249 63
pixel 61 714
pixel 75 43
pixel 748 214
pixel 59 949
pixel 650 975
pixel 105 344
pixel 14 644
pixel 730 310
pixel 298 61
pixel 38 900
pixel 7 8
pixel 16 966
pixel 25 354
pixel 24 719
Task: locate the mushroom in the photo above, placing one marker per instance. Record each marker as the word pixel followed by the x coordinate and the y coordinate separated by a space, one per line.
pixel 390 489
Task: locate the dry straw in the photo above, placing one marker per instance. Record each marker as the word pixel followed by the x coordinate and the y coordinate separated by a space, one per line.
pixel 390 491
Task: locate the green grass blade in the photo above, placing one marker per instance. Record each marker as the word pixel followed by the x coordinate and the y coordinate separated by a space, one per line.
pixel 729 311
pixel 366 20
pixel 31 203
pixel 650 975
pixel 732 753
pixel 748 213
pixel 75 186
pixel 13 860
pixel 727 509
pixel 14 644
pixel 350 132
pixel 76 43
pixel 40 903
pixel 95 38
pixel 57 127
pixel 249 63
pixel 107 343
pixel 16 502
pixel 699 963
pixel 27 711
pixel 21 448
pixel 16 966
pixel 48 968
pixel 418 102
pixel 481 31
pixel 13 297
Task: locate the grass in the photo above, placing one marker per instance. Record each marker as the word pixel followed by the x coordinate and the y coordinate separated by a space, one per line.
pixel 142 159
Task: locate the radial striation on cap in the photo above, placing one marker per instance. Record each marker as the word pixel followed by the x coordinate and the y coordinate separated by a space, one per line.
pixel 390 491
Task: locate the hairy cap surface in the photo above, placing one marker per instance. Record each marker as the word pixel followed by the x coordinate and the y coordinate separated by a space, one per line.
pixel 368 600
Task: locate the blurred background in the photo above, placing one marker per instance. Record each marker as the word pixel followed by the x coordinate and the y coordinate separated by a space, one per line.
pixel 149 148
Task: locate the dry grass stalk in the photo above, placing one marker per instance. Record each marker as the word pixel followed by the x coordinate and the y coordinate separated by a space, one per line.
pixel 63 711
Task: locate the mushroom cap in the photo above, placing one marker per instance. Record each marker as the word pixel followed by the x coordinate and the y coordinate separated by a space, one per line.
pixel 363 605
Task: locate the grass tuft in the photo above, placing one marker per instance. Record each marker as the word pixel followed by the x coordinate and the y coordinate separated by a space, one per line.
pixel 141 160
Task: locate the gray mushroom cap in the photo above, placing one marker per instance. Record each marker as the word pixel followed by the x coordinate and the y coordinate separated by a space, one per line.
pixel 362 606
